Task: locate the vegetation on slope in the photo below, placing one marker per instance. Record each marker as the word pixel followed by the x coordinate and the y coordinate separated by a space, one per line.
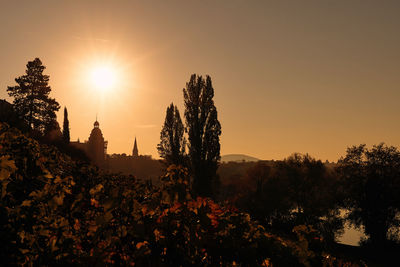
pixel 56 211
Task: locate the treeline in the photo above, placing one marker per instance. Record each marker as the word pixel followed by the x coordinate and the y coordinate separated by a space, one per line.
pixel 362 188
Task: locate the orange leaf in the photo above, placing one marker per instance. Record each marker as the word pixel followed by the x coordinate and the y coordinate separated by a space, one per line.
pixel 141 244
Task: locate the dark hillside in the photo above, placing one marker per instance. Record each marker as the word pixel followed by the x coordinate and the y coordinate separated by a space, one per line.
pixel 56 211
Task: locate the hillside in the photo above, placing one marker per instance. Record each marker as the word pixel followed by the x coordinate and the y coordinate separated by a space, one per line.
pixel 238 158
pixel 56 211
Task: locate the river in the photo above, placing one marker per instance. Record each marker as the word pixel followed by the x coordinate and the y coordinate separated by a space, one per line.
pixel 351 236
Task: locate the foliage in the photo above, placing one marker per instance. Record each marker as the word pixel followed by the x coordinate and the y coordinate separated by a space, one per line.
pixel 55 211
pixel 66 135
pixel 9 116
pixel 296 191
pixel 203 130
pixel 172 145
pixel 372 179
pixel 31 98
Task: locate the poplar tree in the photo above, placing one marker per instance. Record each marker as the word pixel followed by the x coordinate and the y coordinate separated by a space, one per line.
pixel 31 98
pixel 66 135
pixel 203 130
pixel 172 145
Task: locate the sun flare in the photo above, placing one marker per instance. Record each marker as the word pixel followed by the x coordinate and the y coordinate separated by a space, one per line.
pixel 103 78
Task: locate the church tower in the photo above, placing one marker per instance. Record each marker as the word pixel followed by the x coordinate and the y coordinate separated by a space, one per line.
pixel 135 152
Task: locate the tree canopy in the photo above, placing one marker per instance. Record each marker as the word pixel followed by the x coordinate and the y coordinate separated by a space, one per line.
pixel 298 190
pixel 31 98
pixel 203 130
pixel 372 180
pixel 172 145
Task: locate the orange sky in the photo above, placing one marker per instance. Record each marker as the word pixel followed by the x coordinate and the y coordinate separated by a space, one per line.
pixel 289 76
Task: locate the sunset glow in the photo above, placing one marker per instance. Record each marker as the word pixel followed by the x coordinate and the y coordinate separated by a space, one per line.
pixel 309 80
pixel 103 78
pixel 180 133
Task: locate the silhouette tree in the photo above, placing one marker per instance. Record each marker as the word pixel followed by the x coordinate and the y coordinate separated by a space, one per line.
pixel 371 178
pixel 66 135
pixel 172 144
pixel 298 190
pixel 203 130
pixel 31 98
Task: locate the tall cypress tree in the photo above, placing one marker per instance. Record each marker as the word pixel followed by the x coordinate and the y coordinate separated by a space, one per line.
pixel 66 135
pixel 203 130
pixel 31 98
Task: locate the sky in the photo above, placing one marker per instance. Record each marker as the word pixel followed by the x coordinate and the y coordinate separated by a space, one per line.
pixel 289 76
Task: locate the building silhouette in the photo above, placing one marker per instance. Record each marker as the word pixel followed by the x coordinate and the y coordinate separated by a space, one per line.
pixel 95 147
pixel 135 151
pixel 140 166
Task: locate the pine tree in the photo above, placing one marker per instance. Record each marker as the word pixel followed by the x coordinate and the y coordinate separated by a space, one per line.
pixel 66 135
pixel 31 98
pixel 203 130
pixel 172 145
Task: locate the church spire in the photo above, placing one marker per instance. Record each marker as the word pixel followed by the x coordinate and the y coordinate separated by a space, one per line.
pixel 135 151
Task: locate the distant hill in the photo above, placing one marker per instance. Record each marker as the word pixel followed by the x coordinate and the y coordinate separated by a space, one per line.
pixel 238 158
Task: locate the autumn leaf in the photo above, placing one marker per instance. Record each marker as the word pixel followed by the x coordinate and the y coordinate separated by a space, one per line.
pixel 92 229
pixel 77 225
pixel 96 189
pixel 141 244
pixel 158 234
pixel 144 210
pixel 26 203
pixel 59 199
pixel 7 167
pixel 94 202
pixel 47 174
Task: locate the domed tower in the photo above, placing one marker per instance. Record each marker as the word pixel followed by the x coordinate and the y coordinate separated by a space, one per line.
pixel 96 146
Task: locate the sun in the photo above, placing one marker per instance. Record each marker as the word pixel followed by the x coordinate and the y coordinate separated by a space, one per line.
pixel 103 77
